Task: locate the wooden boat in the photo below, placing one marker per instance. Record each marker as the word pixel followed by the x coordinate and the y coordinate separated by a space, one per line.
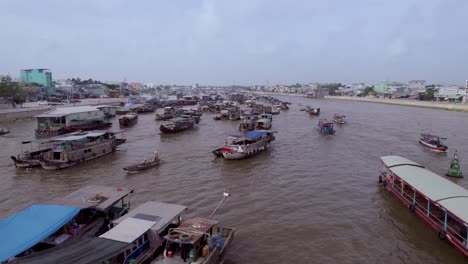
pixel 29 158
pixel 325 127
pixel 145 165
pixel 248 123
pixel 314 111
pixel 440 203
pixel 197 240
pixel 339 119
pixel 43 229
pixel 129 119
pixel 432 142
pixel 247 145
pixel 263 122
pixel 4 131
pixel 79 147
pixel 165 113
pixel 177 125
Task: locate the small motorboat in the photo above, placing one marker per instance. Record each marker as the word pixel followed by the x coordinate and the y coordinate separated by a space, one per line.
pixel 145 165
pixel 4 131
pixel 339 119
pixel 432 142
pixel 314 111
pixel 325 127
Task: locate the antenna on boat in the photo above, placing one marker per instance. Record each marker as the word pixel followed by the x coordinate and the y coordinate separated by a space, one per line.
pixel 225 196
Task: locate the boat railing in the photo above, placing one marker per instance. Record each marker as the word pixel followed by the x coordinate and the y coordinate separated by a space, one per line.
pixel 426 209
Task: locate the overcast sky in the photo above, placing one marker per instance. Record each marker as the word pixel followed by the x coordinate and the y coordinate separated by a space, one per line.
pixel 240 41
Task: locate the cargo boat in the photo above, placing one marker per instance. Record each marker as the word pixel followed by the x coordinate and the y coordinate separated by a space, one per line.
pixel 440 203
pixel 128 120
pixel 247 145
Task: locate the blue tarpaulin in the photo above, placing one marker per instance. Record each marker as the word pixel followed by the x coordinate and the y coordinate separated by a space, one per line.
pixel 25 229
pixel 254 134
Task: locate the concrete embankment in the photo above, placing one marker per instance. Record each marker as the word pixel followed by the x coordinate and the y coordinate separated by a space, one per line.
pixel 402 102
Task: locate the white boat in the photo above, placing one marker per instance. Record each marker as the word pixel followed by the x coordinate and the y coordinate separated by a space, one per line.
pixel 248 145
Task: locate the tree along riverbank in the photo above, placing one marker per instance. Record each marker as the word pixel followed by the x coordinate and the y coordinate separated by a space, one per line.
pixel 406 102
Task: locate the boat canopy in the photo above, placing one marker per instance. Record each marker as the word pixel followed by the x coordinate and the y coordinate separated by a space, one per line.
pixel 87 250
pixel 25 229
pixel 95 196
pixel 254 134
pixel 160 213
pixel 81 136
pixel 447 194
pixel 129 229
pixel 392 161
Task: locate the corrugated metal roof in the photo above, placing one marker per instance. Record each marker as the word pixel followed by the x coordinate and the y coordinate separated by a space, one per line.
pixel 63 111
pixel 449 195
pixel 164 211
pixel 95 196
pixel 128 230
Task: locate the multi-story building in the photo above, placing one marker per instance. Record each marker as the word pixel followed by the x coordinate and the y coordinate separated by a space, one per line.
pixel 40 76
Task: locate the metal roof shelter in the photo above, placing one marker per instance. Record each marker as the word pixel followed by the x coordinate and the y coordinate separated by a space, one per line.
pixel 63 111
pixel 160 213
pixel 447 194
pixel 25 229
pixel 81 136
pixel 95 196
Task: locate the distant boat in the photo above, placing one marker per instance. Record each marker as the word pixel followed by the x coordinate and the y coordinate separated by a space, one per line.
pixel 264 122
pixel 246 145
pixel 339 119
pixel 314 111
pixel 4 131
pixel 325 127
pixel 177 125
pixel 432 142
pixel 145 165
pixel 129 119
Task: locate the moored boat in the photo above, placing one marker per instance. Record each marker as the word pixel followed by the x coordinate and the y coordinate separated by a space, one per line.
pixel 247 145
pixel 129 119
pixel 79 147
pixel 432 142
pixel 165 113
pixel 263 122
pixel 248 122
pixel 339 119
pixel 178 124
pixel 440 203
pixel 325 127
pixel 42 229
pixel 144 165
pixel 29 158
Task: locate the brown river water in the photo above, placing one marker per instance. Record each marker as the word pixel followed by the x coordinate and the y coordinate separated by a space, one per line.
pixel 308 199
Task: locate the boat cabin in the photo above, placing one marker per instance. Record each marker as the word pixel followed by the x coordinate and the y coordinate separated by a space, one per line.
pixel 196 240
pixel 61 117
pixel 440 203
pixel 136 237
pixel 44 227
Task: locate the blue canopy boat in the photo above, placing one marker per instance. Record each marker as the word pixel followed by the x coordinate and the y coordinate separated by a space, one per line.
pixel 25 229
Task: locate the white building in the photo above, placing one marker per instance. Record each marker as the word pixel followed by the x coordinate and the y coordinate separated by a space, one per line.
pixel 417 84
pixel 449 92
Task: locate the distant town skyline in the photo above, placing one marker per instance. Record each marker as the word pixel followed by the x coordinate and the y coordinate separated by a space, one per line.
pixel 238 42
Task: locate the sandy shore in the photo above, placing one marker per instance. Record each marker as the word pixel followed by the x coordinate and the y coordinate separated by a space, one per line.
pixel 406 102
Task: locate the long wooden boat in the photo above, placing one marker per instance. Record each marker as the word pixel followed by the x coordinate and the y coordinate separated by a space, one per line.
pixel 145 165
pixel 79 147
pixel 440 203
pixel 4 131
pixel 178 124
pixel 432 142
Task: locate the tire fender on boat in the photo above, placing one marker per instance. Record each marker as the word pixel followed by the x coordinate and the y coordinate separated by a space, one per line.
pixel 442 235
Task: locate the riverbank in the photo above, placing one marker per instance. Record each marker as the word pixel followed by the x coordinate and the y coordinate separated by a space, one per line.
pixel 403 102
pixel 281 94
pixel 29 110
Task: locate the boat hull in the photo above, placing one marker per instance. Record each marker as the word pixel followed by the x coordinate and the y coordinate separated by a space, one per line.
pixel 233 153
pixel 440 149
pixel 171 130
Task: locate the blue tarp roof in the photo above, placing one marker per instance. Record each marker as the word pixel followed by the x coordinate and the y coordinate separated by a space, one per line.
pixel 25 229
pixel 254 134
